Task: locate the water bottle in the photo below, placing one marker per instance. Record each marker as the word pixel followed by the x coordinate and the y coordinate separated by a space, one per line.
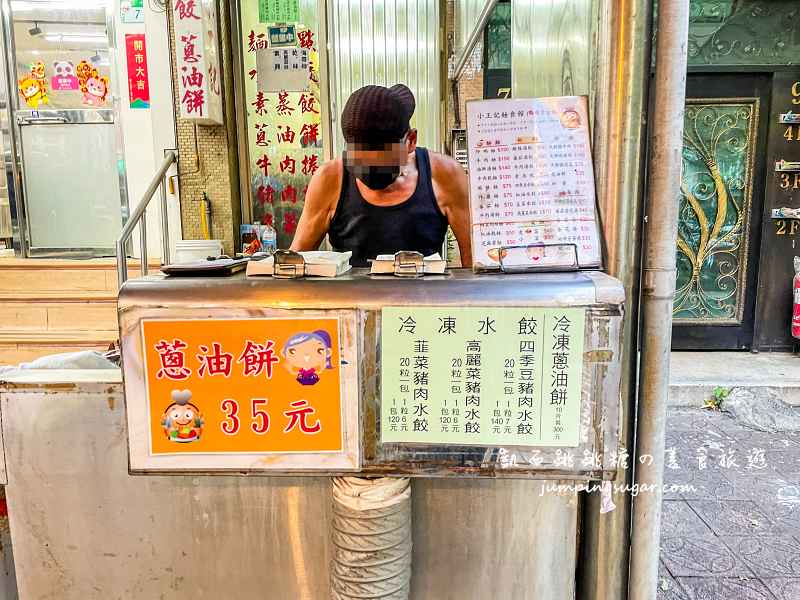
pixel 269 239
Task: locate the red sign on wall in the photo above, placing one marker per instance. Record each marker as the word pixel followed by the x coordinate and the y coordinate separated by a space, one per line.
pixel 138 78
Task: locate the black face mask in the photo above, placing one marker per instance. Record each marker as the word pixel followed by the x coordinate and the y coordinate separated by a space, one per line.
pixel 376 177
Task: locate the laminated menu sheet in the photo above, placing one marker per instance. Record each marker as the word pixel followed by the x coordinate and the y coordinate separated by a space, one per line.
pixel 532 183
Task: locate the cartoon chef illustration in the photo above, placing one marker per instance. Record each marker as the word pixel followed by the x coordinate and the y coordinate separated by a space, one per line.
pixel 307 354
pixel 182 421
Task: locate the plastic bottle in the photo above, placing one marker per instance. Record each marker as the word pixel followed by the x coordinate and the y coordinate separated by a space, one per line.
pixel 269 239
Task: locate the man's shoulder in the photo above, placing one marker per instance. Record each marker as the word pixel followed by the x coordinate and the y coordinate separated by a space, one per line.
pixel 323 189
pixel 444 165
pixel 331 169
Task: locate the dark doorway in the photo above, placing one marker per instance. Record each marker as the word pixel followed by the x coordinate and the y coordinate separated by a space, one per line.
pixel 497 52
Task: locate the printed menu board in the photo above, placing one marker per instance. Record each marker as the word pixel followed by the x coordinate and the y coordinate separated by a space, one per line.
pixel 481 376
pixel 532 183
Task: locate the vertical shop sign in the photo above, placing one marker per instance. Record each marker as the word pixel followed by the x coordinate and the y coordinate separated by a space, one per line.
pixel 138 76
pixel 197 57
pixel 482 376
pixel 281 72
pixel 278 11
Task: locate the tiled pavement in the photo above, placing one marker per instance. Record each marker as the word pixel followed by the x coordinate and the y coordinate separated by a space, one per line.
pixel 736 532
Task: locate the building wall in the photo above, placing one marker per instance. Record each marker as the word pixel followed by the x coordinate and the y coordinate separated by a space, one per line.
pixel 551 47
pixel 470 84
pixel 146 133
pixel 207 156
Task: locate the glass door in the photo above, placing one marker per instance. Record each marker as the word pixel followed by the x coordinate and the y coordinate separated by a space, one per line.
pixel 69 145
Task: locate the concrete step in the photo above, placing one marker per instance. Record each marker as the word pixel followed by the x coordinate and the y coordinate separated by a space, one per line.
pixel 58 275
pixel 49 306
pixel 695 375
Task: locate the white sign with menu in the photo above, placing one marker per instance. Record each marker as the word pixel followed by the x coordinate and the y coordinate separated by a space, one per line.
pixel 532 183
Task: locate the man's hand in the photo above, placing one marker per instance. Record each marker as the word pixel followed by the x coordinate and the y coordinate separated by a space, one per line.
pixel 319 207
pixel 451 187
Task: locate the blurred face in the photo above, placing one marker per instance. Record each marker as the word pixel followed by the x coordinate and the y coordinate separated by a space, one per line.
pixel 378 166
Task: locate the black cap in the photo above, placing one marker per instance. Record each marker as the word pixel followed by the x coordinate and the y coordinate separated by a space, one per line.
pixel 378 115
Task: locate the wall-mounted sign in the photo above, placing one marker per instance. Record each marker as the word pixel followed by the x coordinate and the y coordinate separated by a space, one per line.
pixel 199 73
pixel 261 393
pixel 131 11
pixel 531 177
pixel 789 117
pixel 138 77
pixel 278 11
pixel 787 165
pixel 482 376
pixel 282 35
pixel 282 69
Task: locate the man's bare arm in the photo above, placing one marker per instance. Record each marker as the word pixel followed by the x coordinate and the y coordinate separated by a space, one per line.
pixel 451 185
pixel 319 208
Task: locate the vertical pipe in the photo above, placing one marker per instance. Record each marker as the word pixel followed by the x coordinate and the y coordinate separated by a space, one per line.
pixel 621 70
pixel 143 244
pixel 164 223
pixel 658 289
pixel 371 535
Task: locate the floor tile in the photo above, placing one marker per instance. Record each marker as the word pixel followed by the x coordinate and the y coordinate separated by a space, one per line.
pixel 690 556
pixel 678 518
pixel 783 588
pixel 723 588
pixel 734 517
pixel 768 556
pixel 668 588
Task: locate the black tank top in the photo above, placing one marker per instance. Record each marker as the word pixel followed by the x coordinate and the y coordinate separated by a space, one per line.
pixel 368 230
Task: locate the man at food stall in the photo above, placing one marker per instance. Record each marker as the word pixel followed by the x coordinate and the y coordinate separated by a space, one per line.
pixel 385 194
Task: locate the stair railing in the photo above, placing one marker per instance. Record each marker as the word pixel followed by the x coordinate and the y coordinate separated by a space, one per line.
pixel 139 218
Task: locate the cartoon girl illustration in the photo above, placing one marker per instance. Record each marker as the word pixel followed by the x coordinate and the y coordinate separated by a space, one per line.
pixel 182 421
pixel 307 355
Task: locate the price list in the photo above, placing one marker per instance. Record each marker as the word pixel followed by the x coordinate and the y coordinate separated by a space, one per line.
pixel 531 177
pixel 481 376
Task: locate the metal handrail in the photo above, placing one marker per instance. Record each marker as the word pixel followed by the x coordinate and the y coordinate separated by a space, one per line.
pixel 138 218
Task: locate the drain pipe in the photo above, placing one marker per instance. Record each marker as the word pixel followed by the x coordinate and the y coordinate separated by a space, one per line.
pixel 658 290
pixel 371 538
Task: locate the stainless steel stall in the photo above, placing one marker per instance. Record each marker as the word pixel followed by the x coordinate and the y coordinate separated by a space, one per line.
pixel 194 521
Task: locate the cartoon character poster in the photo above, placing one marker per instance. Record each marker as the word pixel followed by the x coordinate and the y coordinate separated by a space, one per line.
pixel 243 385
pixel 33 86
pixel 93 86
pixel 64 78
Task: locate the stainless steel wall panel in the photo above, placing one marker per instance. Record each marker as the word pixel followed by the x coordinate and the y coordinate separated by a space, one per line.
pixel 386 42
pixel 83 528
pixel 551 47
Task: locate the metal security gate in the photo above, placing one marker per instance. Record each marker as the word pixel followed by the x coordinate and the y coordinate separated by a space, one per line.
pixel 722 194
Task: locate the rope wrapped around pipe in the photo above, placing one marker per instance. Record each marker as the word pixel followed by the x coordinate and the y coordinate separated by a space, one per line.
pixel 371 538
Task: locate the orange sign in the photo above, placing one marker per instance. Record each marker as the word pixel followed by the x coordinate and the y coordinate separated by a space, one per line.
pixel 243 385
